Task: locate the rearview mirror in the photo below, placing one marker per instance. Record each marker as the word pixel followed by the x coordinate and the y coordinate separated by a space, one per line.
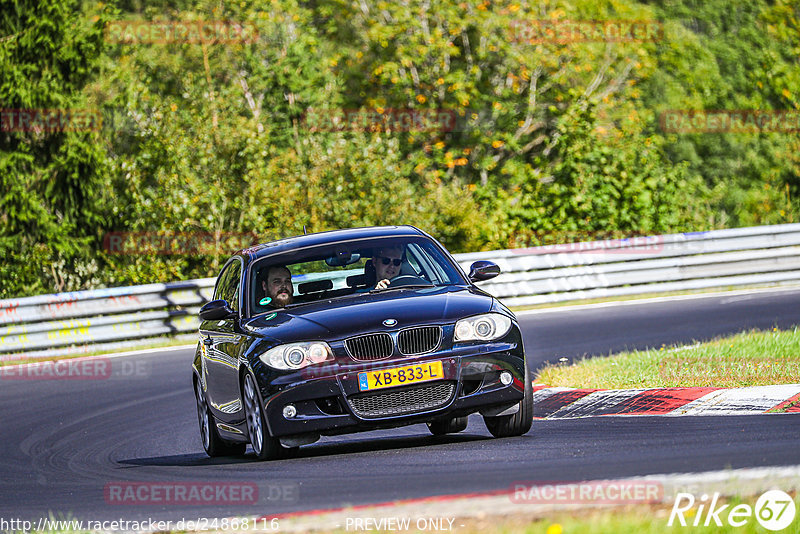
pixel 483 270
pixel 342 258
pixel 216 310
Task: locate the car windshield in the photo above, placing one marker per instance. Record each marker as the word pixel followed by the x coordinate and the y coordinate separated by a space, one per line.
pixel 346 269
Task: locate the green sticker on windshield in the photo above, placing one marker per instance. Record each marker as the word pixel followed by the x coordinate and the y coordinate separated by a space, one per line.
pixel 265 301
pixel 271 316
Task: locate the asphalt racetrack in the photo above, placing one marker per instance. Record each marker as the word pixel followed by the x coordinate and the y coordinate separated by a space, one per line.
pixel 67 443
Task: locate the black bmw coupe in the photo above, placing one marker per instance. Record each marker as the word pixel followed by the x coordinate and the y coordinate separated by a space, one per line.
pixel 353 330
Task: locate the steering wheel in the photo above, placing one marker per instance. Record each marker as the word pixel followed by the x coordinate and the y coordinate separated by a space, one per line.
pixel 408 280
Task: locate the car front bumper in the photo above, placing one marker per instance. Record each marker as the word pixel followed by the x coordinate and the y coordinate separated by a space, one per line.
pixel 334 404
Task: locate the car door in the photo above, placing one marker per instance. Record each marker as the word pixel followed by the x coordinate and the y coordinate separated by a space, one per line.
pixel 222 343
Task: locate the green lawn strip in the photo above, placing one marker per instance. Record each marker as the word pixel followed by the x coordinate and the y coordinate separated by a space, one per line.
pixel 639 519
pixel 753 358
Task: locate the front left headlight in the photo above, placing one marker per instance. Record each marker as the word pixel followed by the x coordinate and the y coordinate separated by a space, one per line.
pixel 297 355
pixel 486 327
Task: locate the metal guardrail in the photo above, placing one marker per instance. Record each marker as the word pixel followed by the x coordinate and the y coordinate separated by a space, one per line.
pixel 83 321
pixel 655 264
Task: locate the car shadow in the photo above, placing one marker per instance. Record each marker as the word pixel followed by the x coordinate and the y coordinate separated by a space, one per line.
pixel 359 445
pixel 183 460
pixel 325 448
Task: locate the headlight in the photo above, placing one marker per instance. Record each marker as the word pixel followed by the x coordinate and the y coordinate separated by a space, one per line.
pixel 297 355
pixel 484 327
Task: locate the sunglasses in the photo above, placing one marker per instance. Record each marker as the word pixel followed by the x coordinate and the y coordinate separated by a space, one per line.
pixel 387 261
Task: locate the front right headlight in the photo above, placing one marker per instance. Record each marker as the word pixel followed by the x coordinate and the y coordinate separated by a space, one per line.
pixel 486 327
pixel 297 355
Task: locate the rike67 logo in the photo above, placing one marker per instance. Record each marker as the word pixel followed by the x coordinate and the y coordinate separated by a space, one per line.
pixel 774 510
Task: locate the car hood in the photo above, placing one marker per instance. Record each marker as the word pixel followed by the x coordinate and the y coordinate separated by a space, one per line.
pixel 345 317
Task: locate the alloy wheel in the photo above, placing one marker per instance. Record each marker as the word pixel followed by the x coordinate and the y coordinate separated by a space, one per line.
pixel 202 416
pixel 253 411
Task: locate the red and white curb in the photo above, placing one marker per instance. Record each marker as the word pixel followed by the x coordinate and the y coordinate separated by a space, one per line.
pixel 558 402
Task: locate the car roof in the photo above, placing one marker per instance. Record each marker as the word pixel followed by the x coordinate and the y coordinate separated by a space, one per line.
pixel 322 238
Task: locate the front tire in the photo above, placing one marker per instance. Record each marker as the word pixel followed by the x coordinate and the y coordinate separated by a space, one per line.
pixel 516 424
pixel 265 446
pixel 448 426
pixel 212 443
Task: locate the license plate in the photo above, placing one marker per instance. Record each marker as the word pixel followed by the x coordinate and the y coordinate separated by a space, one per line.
pixel 400 376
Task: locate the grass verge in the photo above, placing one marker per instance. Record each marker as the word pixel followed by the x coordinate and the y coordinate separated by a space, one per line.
pixel 753 358
pixel 639 519
pixel 598 519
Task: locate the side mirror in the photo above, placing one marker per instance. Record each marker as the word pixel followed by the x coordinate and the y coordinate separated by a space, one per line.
pixel 483 270
pixel 216 310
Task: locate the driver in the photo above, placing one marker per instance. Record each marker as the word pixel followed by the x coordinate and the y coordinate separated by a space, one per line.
pixel 278 286
pixel 387 262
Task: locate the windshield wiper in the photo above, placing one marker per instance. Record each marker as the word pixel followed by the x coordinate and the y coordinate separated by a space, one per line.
pixel 282 308
pixel 408 286
pixel 323 299
pixel 298 304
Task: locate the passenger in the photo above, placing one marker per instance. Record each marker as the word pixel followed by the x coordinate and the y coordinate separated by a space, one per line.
pixel 278 286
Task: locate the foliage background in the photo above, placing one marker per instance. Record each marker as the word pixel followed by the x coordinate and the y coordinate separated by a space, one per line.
pixel 554 141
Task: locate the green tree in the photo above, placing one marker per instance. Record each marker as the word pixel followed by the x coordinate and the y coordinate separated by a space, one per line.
pixel 51 189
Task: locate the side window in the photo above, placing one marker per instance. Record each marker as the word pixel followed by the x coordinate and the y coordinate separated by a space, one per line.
pixel 411 258
pixel 221 282
pixel 228 285
pixel 428 264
